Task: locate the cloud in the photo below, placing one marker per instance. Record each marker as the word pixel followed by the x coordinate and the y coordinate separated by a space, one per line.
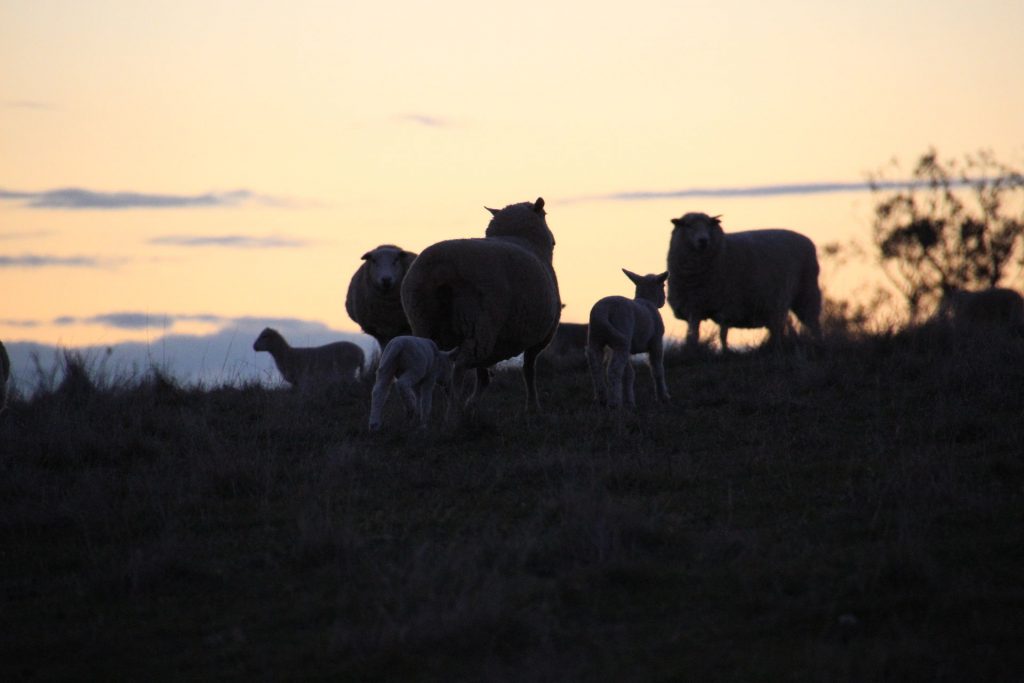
pixel 760 190
pixel 236 241
pixel 71 198
pixel 24 235
pixel 48 261
pixel 137 320
pixel 426 120
pixel 30 104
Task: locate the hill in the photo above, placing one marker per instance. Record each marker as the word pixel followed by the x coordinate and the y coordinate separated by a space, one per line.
pixel 848 512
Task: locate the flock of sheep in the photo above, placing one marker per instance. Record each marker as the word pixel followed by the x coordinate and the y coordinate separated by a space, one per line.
pixel 467 304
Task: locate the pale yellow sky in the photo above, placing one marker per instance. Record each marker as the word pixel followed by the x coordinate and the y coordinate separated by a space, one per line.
pixel 355 124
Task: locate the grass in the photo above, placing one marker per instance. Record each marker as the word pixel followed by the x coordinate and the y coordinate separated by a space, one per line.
pixel 852 511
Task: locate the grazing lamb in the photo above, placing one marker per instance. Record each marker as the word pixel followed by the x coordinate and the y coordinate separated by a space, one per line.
pixel 5 375
pixel 374 293
pixel 308 367
pixel 995 307
pixel 493 297
pixel 415 365
pixel 742 279
pixel 625 327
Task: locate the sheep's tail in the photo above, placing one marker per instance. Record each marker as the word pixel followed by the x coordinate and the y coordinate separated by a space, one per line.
pixel 602 332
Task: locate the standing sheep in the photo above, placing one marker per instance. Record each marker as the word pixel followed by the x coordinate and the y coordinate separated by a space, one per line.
pixel 995 307
pixel 743 279
pixel 415 365
pixel 374 294
pixel 5 375
pixel 493 297
pixel 308 367
pixel 625 327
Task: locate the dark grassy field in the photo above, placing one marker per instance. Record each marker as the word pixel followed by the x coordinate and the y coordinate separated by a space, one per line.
pixel 849 512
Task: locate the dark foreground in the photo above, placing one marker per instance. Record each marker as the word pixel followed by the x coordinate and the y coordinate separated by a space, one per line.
pixel 853 512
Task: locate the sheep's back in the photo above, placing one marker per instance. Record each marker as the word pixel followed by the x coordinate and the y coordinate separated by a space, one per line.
pixel 456 284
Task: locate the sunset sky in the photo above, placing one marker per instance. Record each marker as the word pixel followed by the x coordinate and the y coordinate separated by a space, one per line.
pixel 177 167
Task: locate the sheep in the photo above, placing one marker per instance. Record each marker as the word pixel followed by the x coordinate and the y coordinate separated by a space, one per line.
pixel 374 299
pixel 5 376
pixel 415 365
pixel 995 307
pixel 743 279
pixel 627 326
pixel 570 339
pixel 309 367
pixel 492 297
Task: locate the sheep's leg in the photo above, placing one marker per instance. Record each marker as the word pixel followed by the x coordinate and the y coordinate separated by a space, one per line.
pixel 378 398
pixel 656 360
pixel 777 330
pixel 530 377
pixel 408 396
pixel 616 369
pixel 628 381
pixel 483 379
pixel 595 360
pixel 426 401
pixel 692 331
pixel 723 337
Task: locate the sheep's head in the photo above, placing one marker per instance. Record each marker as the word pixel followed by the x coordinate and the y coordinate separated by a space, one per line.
pixel 268 339
pixel 386 266
pixel 698 233
pixel 649 287
pixel 526 221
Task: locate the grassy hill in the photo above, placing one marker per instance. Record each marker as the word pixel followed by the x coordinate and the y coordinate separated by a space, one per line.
pixel 848 512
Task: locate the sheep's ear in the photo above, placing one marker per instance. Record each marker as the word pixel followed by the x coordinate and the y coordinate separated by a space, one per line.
pixel 717 219
pixel 677 221
pixel 563 306
pixel 366 255
pixel 452 353
pixel 538 205
pixel 632 276
pixel 494 212
pixel 663 277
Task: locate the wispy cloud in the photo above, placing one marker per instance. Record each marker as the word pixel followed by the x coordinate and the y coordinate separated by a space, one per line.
pixel 137 320
pixel 49 261
pixel 77 198
pixel 4 236
pixel 758 190
pixel 426 120
pixel 235 241
pixel 29 104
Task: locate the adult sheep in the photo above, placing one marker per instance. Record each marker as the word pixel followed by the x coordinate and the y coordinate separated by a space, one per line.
pixel 995 307
pixel 492 297
pixel 374 293
pixel 742 279
pixel 312 366
pixel 624 327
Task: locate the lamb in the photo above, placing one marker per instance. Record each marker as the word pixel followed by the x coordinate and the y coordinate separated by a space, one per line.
pixel 744 279
pixel 415 365
pixel 624 327
pixel 995 307
pixel 5 376
pixel 492 297
pixel 311 367
pixel 374 293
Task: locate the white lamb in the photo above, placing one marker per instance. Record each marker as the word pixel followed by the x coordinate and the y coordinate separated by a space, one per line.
pixel 493 298
pixel 309 367
pixel 415 365
pixel 624 327
pixel 374 299
pixel 743 279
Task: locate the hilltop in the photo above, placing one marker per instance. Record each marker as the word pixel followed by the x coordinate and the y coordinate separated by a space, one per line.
pixel 849 511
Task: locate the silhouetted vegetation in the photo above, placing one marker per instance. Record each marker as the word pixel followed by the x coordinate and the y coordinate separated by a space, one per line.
pixel 957 225
pixel 847 511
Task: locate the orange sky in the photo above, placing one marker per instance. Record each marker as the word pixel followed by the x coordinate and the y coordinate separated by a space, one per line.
pixel 350 126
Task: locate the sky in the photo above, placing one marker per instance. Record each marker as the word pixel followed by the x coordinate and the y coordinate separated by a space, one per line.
pixel 191 168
